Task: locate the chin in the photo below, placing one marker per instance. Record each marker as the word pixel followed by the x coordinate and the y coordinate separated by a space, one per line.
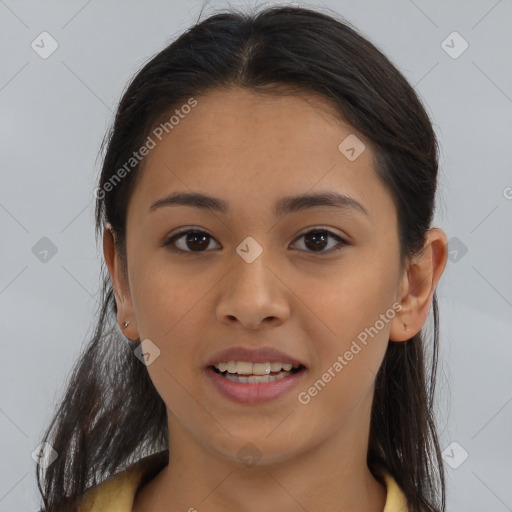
pixel 256 449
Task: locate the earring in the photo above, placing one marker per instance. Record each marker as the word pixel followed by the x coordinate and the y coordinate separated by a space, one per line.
pixel 125 325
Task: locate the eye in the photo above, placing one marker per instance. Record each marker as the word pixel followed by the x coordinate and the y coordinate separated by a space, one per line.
pixel 317 240
pixel 197 241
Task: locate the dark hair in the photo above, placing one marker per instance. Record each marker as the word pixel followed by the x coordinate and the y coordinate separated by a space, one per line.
pixel 111 413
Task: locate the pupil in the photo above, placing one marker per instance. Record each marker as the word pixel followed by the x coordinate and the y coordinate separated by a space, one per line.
pixel 318 236
pixel 193 236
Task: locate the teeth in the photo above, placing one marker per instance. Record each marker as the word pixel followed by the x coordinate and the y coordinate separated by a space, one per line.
pixel 255 379
pixel 247 368
pixel 261 368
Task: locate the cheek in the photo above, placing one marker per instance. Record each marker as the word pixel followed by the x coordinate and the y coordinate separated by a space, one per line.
pixel 353 319
pixel 167 307
pixel 351 300
pixel 350 352
pixel 164 299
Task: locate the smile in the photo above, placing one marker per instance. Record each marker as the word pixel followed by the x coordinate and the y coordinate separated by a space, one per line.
pixel 247 382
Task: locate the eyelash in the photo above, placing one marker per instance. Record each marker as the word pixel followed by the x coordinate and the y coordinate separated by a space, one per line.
pixel 169 242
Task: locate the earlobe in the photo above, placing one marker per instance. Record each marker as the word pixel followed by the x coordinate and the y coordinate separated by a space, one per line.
pixel 418 286
pixel 125 316
pixel 400 329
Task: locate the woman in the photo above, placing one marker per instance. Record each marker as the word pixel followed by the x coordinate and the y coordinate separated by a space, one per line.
pixel 265 202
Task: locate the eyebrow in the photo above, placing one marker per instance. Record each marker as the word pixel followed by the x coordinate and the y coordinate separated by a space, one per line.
pixel 283 206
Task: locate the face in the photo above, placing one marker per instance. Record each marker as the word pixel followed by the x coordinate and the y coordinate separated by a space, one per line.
pixel 319 283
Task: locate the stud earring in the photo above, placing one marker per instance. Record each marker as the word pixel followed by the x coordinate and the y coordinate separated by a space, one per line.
pixel 125 325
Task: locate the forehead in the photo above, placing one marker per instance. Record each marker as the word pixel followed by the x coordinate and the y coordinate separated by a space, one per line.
pixel 238 117
pixel 251 146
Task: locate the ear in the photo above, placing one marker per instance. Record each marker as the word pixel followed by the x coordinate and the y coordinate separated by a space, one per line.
pixel 418 286
pixel 121 289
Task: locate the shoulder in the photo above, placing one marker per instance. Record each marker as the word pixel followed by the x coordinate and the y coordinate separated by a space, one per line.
pixel 395 500
pixel 116 493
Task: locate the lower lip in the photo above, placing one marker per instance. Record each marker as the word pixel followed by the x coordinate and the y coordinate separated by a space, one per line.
pixel 253 393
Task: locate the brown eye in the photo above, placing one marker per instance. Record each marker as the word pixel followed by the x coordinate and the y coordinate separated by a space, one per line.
pixel 193 241
pixel 316 240
pixel 197 241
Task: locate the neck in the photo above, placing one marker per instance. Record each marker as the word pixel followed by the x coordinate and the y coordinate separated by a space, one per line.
pixel 331 476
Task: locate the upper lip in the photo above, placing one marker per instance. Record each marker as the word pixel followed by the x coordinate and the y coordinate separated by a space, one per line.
pixel 253 355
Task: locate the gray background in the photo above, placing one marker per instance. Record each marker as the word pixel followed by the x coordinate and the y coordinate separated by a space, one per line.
pixel 55 111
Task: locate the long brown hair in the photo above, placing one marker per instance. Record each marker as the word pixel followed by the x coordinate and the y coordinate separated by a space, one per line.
pixel 111 414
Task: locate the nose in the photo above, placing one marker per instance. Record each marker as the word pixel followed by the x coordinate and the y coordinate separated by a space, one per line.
pixel 253 294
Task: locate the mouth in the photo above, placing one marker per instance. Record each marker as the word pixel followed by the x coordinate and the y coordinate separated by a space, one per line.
pixel 251 383
pixel 246 372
